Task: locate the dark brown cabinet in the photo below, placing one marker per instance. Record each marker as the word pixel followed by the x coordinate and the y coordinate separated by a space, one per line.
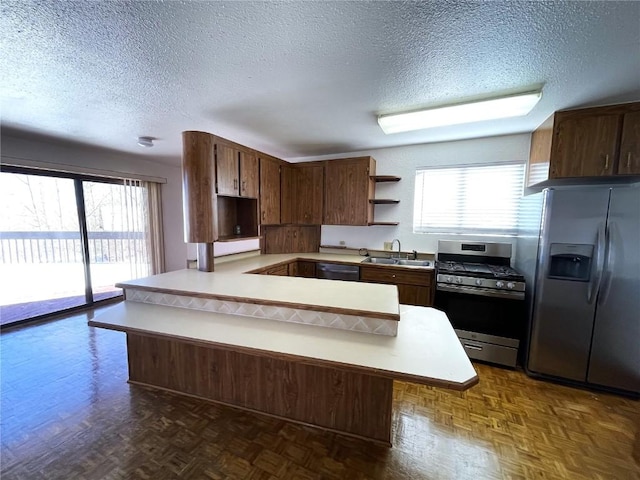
pixel 348 189
pixel 589 142
pixel 303 268
pixel 269 191
pixel 629 163
pixel 198 187
pixel 415 287
pixel 237 172
pixel 290 238
pixel 279 270
pixel 302 188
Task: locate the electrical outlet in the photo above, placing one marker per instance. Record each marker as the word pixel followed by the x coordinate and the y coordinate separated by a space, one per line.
pixel 342 242
pixel 388 245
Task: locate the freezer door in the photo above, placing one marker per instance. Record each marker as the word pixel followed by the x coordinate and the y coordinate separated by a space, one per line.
pixel 564 306
pixel 615 351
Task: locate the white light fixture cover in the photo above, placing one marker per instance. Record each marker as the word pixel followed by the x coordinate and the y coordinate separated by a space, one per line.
pixel 145 141
pixel 503 107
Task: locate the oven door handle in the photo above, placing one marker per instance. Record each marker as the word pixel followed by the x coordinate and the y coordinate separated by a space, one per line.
pixel 484 292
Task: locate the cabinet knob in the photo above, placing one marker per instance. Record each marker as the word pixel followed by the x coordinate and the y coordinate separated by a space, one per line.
pixel 628 159
pixel 606 162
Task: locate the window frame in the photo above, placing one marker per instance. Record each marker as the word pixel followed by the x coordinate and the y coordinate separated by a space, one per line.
pixel 420 226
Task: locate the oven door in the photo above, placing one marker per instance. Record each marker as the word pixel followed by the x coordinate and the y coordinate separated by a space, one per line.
pixel 497 313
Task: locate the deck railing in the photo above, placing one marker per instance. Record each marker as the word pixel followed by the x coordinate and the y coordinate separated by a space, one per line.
pixel 66 247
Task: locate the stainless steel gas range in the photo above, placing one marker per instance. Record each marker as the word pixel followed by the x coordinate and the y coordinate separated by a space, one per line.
pixel 483 298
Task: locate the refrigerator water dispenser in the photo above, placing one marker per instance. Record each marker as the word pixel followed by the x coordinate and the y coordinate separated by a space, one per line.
pixel 570 262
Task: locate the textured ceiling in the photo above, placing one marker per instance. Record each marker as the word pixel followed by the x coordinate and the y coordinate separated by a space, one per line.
pixel 300 79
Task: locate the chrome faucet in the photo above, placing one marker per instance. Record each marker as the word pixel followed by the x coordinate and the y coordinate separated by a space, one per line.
pixel 394 241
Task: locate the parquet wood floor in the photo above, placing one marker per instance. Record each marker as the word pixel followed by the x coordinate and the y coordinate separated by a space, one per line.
pixel 68 413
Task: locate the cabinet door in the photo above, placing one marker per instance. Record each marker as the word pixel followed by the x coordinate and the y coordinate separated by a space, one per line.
pixel 305 269
pixel 630 145
pixel 585 146
pixel 286 194
pixel 269 191
pixel 415 295
pixel 308 187
pixel 347 191
pixel 305 239
pixel 277 239
pixel 227 170
pixel 248 175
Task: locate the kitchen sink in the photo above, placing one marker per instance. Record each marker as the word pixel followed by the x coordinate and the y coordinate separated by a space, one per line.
pixel 381 260
pixel 416 263
pixel 399 262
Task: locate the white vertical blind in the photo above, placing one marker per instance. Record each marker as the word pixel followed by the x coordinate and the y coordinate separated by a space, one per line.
pixel 475 199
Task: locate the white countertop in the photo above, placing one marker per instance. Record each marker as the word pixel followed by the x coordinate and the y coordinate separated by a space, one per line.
pixel 229 282
pixel 425 351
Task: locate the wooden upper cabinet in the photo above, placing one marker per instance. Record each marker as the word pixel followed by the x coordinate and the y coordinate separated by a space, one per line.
pixel 585 145
pixel 227 170
pixel 286 193
pixel 249 183
pixel 269 191
pixel 348 189
pixel 307 185
pixel 589 142
pixel 198 188
pixel 237 172
pixel 629 163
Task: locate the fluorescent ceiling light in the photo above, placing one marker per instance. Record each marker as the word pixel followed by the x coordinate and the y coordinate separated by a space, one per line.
pixel 504 107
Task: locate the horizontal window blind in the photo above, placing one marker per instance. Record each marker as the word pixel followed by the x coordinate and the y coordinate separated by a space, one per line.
pixel 481 199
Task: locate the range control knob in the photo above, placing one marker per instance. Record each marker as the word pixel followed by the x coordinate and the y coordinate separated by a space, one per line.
pixel 458 280
pixel 449 279
pixel 510 285
pixel 478 281
pixel 500 284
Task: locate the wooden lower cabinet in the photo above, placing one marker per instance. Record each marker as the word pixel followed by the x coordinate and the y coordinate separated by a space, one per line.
pixel 415 287
pixel 330 397
pixel 280 270
pixel 302 268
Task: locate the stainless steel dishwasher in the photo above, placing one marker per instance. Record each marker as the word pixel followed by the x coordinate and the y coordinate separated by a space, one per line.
pixel 334 271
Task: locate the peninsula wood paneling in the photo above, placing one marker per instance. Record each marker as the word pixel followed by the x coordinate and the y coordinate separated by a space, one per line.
pixel 348 402
pixel 198 187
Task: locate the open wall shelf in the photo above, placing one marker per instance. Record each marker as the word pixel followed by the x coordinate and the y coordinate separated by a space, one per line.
pixel 385 178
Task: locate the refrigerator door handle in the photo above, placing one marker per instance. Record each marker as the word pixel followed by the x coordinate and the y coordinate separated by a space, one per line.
pixel 596 277
pixel 607 275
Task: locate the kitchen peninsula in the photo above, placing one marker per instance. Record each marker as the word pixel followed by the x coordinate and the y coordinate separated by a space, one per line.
pixel 337 379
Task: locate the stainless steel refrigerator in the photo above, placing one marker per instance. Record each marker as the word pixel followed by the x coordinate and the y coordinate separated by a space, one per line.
pixel 586 309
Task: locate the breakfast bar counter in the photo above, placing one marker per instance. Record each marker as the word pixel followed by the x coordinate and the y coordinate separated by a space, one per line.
pixel 335 379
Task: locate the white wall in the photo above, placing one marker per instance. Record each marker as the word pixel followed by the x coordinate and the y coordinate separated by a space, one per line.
pixel 31 151
pixel 402 162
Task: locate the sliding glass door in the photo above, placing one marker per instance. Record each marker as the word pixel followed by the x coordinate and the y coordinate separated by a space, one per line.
pixel 116 229
pixel 41 259
pixel 66 241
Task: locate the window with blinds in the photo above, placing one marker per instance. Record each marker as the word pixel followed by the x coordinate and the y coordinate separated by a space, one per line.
pixel 478 199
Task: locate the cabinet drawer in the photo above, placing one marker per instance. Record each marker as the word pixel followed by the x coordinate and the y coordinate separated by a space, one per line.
pixel 396 275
